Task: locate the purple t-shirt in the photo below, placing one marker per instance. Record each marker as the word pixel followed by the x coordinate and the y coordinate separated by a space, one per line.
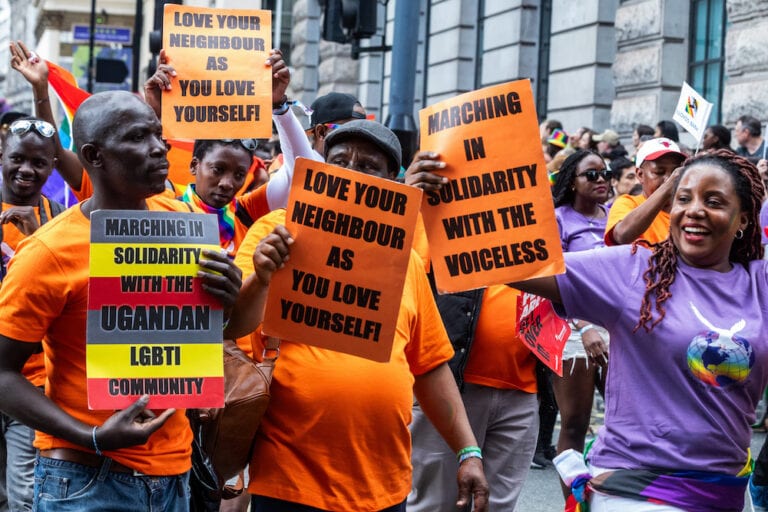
pixel 764 222
pixel 684 396
pixel 579 232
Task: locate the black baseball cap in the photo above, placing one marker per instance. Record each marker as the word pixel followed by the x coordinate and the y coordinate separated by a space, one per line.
pixel 6 118
pixel 335 106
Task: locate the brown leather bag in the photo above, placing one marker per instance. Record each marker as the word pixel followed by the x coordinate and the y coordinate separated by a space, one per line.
pixel 226 435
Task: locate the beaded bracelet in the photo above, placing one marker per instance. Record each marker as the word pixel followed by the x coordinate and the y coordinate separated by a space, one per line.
pixel 95 444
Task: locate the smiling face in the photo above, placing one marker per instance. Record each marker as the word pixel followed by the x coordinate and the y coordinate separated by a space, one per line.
pixel 591 191
pixel 705 217
pixel 28 160
pixel 220 173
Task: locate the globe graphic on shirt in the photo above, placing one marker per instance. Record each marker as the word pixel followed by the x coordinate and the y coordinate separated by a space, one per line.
pixel 720 360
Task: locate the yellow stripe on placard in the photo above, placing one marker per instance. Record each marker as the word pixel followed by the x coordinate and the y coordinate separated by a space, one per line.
pixel 111 260
pixel 112 360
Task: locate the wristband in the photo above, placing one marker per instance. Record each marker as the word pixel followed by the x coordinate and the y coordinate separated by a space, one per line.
pixel 474 450
pixel 95 444
pixel 470 455
pixel 586 328
pixel 41 101
pixel 280 104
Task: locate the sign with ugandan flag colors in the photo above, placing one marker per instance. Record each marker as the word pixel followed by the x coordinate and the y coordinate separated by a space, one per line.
pixel 151 327
pixel 493 222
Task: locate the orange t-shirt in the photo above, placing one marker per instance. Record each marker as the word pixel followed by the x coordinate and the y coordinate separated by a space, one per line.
pixel 335 435
pixel 45 296
pixel 256 204
pixel 34 368
pixel 498 359
pixel 657 232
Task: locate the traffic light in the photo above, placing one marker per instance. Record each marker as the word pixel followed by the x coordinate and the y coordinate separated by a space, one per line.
pixel 347 20
pixel 111 71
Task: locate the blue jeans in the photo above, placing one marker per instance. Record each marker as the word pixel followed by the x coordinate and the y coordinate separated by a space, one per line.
pixel 62 486
pixel 18 464
pixel 759 495
pixel 265 504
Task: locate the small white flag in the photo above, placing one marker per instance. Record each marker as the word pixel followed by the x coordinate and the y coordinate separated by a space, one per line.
pixel 692 111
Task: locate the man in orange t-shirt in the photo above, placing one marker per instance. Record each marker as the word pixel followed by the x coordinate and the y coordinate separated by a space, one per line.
pixel 133 459
pixel 646 217
pixel 496 373
pixel 335 436
pixel 28 158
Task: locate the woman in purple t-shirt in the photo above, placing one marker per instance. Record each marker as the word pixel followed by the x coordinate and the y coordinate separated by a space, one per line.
pixel 582 186
pixel 689 345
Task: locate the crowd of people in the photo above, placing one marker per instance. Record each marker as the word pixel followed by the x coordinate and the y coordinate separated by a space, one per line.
pixel 664 291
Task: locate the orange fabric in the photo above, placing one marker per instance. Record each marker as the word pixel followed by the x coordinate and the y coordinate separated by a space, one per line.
pixel 498 358
pixel 45 296
pixel 86 189
pixel 336 434
pixel 256 204
pixel 34 368
pixel 656 232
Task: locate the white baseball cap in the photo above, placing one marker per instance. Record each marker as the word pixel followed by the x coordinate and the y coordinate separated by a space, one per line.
pixel 656 148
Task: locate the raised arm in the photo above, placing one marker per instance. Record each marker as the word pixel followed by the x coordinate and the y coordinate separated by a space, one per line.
pixel 35 71
pixel 160 81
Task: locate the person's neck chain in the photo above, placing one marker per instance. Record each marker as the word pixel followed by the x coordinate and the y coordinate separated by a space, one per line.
pixel 591 219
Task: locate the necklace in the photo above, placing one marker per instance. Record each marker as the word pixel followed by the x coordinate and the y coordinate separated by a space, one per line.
pixel 592 219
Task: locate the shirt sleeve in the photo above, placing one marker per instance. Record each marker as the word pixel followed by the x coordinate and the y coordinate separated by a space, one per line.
pixel 621 207
pixel 33 293
pixel 294 143
pixel 429 345
pixel 596 282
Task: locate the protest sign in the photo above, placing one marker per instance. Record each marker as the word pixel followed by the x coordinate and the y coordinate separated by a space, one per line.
pixel 341 287
pixel 542 330
pixel 494 221
pixel 222 83
pixel 692 111
pixel 151 328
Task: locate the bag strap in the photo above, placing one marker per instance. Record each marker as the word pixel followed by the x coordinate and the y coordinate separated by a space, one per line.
pixel 271 347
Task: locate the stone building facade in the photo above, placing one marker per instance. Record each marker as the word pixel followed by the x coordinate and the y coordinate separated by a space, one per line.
pixel 596 63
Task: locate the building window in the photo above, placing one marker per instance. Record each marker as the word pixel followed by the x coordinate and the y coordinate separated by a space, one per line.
pixel 282 23
pixel 707 54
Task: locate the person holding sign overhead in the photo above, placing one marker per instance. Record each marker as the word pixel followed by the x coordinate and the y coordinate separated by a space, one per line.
pixel 496 373
pixel 130 460
pixel 335 437
pixel 689 356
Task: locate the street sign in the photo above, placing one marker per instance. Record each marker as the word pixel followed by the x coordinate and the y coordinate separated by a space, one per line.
pixel 103 34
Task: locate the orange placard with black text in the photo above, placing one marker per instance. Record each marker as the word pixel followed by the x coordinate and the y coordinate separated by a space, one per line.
pixel 222 85
pixel 494 221
pixel 342 286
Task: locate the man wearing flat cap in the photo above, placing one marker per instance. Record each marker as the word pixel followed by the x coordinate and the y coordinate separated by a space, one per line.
pixel 335 436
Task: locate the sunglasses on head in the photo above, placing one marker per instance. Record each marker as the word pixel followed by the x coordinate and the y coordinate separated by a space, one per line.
pixel 594 174
pixel 22 126
pixel 249 144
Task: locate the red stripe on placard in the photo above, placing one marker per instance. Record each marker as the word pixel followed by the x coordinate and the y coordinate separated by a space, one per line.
pixel 110 290
pixel 178 393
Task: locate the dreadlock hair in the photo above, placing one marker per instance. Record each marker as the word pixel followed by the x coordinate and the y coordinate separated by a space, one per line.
pixel 562 191
pixel 662 265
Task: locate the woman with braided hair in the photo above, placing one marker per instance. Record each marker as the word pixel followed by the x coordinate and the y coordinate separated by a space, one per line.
pixel 689 346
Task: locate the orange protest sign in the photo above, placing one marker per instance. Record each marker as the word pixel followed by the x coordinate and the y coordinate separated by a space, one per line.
pixel 494 221
pixel 223 86
pixel 542 330
pixel 341 287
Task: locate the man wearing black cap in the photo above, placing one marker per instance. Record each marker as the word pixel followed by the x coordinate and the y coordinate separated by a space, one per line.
pixel 347 416
pixel 5 121
pixel 328 112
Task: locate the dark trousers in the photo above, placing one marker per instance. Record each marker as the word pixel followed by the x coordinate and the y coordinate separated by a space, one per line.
pixel 547 407
pixel 760 476
pixel 264 504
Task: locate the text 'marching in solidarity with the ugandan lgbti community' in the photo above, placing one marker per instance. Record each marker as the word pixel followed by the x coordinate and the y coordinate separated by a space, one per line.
pixel 151 329
pixel 342 285
pixel 494 221
pixel 223 86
